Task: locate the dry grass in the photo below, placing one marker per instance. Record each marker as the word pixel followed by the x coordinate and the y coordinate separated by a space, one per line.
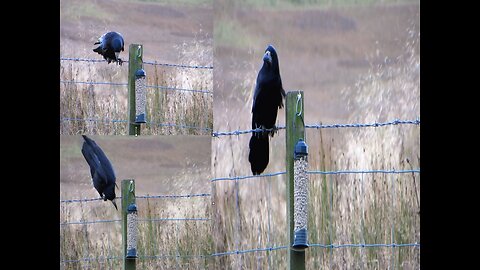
pixel 160 165
pixel 159 242
pixel 343 209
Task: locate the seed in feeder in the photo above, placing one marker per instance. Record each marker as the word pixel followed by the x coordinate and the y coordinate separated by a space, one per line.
pixel 300 194
pixel 131 230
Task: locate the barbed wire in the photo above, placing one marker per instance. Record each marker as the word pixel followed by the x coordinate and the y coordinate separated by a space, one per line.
pixel 142 220
pixel 240 132
pixel 84 60
pixel 173 219
pixel 145 62
pixel 179 89
pixel 234 178
pixel 173 196
pixel 247 251
pixel 93 259
pixel 94 83
pixel 417 245
pixel 179 126
pixel 67 119
pixel 362 125
pixel 147 86
pixel 319 126
pixel 365 172
pixel 218 254
pixel 90 222
pixel 166 256
pixel 172 256
pixel 177 65
pixel 82 200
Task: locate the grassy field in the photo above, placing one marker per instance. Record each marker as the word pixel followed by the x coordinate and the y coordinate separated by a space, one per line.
pixel 170 33
pixel 355 63
pixel 160 165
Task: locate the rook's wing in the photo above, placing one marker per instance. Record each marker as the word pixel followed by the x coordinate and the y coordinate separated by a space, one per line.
pixel 104 162
pixel 93 160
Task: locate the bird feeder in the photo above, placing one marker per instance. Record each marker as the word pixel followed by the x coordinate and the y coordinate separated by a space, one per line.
pixel 140 96
pixel 132 231
pixel 300 215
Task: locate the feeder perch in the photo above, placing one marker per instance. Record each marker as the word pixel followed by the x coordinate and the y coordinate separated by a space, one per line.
pixel 300 214
pixel 140 96
pixel 132 231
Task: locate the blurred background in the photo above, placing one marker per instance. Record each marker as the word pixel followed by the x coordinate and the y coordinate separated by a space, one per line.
pixel 357 61
pixel 175 231
pixel 93 95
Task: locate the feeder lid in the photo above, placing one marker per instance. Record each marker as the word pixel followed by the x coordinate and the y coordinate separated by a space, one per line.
pixel 132 208
pixel 301 148
pixel 131 254
pixel 140 119
pixel 300 240
pixel 140 73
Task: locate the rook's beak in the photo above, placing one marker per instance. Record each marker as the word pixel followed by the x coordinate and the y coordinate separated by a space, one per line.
pixel 115 204
pixel 267 57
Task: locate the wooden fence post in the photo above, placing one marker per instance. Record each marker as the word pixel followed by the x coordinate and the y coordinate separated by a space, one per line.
pixel 295 130
pixel 135 62
pixel 128 199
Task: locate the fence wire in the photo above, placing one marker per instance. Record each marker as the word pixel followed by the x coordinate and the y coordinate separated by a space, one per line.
pixel 139 257
pixel 329 246
pixel 116 121
pixel 320 126
pixel 241 132
pixel 169 196
pixel 147 86
pixel 140 220
pixel 234 178
pixel 145 62
pixel 239 252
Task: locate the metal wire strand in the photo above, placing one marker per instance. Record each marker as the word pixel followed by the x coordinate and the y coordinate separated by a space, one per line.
pixel 319 126
pixel 145 62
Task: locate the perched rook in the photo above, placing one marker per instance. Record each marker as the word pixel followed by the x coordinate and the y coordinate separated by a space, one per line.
pixel 267 99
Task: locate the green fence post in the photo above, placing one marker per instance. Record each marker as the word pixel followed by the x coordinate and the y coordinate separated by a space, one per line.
pixel 128 200
pixel 295 130
pixel 135 62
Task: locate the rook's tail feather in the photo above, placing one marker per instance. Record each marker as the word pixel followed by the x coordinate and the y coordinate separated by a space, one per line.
pixel 258 155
